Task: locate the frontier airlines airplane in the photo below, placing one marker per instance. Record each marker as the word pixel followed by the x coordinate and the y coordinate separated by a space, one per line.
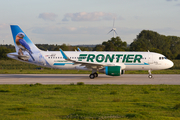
pixel 109 62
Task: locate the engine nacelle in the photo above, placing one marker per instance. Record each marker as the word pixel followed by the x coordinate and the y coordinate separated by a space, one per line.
pixel 113 70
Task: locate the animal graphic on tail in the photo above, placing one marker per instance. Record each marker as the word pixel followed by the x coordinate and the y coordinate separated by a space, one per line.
pixel 23 46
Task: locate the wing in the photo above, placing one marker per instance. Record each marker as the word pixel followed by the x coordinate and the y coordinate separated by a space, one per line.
pixel 89 64
pixel 23 43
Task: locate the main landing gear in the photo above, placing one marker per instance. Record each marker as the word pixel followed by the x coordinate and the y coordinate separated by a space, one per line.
pixel 150 75
pixel 93 75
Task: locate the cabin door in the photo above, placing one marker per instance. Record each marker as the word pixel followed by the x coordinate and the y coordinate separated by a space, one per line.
pixel 150 59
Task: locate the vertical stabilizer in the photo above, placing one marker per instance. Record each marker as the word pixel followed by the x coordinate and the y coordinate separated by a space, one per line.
pixel 15 29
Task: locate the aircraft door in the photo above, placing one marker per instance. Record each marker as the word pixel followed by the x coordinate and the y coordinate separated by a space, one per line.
pixel 150 59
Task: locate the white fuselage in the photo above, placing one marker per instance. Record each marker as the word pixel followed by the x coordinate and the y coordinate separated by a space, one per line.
pixel 128 60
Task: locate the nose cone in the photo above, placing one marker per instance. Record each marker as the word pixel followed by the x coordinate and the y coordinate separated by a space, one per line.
pixel 170 64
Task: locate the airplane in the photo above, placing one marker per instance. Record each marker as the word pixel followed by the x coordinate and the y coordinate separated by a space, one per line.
pixel 112 63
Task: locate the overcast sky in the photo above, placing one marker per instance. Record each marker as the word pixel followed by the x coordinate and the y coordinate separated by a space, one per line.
pixel 87 21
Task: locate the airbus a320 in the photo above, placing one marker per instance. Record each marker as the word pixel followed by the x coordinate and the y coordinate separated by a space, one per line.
pixel 109 62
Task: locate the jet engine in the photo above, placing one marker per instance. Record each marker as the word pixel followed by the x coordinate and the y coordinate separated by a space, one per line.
pixel 111 70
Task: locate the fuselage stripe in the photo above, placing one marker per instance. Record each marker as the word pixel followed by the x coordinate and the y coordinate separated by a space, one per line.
pixel 62 63
pixel 136 64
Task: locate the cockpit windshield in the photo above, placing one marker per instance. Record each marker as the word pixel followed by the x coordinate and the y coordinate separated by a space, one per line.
pixel 162 58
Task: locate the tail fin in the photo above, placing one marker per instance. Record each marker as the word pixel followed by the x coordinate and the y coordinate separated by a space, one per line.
pixel 15 29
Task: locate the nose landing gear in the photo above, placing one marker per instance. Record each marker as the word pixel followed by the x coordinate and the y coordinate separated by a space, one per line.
pixel 150 75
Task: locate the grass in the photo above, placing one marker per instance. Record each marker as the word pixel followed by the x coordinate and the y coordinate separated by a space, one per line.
pixel 44 71
pixel 160 102
pixel 17 67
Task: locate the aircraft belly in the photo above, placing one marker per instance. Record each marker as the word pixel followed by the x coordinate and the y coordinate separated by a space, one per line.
pixel 138 67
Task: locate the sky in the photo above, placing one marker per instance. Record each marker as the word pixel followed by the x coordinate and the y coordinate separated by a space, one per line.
pixel 78 22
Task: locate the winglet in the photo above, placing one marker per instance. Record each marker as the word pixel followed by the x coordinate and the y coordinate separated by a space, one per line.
pixel 64 55
pixel 79 49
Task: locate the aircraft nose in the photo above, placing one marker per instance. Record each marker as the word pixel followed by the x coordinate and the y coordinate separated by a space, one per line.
pixel 171 64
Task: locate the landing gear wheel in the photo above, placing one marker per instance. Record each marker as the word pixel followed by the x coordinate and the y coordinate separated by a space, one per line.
pixel 150 76
pixel 95 74
pixel 92 76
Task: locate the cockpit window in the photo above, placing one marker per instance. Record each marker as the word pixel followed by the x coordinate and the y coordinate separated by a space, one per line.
pixel 161 58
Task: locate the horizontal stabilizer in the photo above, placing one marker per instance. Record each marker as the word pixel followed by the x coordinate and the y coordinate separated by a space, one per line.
pixel 22 57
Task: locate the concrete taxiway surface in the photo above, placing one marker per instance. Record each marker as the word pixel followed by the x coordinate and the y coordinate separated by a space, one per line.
pixel 130 79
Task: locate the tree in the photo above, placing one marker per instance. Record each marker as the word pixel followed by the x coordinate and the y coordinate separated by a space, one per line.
pixel 99 48
pixel 3 53
pixel 115 44
pixel 174 46
pixel 152 41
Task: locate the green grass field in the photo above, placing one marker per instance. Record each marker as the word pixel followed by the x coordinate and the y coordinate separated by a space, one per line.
pixel 17 67
pixel 151 102
pixel 52 102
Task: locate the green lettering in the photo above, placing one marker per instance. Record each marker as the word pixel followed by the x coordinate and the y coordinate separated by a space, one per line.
pixel 118 57
pixel 101 56
pixel 110 58
pixel 90 57
pixel 82 56
pixel 128 58
pixel 138 58
pixel 124 58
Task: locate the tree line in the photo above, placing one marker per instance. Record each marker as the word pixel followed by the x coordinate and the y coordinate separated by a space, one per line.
pixel 146 40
